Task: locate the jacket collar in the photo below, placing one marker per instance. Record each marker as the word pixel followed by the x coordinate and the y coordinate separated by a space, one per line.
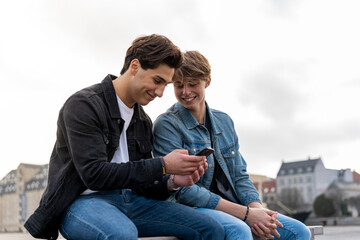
pixel 111 100
pixel 190 122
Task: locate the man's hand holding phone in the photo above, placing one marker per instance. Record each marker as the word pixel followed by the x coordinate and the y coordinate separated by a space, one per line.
pixel 193 166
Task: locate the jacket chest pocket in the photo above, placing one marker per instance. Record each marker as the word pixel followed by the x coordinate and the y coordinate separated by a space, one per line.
pixel 228 153
pixel 112 143
pixel 139 149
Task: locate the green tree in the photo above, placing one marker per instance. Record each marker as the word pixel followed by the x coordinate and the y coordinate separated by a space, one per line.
pixel 323 206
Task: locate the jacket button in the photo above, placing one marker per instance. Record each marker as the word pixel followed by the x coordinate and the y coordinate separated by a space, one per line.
pixel 118 121
pixel 107 141
pixel 210 165
pixel 156 182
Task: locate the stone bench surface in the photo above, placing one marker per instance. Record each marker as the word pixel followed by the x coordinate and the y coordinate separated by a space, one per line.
pixel 315 230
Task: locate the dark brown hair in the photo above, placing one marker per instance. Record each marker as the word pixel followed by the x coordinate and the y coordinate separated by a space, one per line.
pixel 151 51
pixel 195 66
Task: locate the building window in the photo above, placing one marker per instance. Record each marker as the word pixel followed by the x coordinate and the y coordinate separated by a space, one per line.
pixel 308 169
pixel 309 179
pixel 289 181
pixel 282 172
pixel 299 170
pixel 291 171
pixel 295 180
pixel 300 180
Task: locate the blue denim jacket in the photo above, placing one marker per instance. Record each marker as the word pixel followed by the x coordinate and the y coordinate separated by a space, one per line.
pixel 178 129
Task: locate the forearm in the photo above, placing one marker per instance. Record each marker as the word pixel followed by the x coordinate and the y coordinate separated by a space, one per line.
pixel 255 205
pixel 231 208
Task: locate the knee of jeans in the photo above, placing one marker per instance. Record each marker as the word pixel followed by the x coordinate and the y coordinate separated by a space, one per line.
pixel 304 232
pixel 217 231
pixel 242 230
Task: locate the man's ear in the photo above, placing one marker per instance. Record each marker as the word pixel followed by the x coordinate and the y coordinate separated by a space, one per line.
pixel 208 82
pixel 134 66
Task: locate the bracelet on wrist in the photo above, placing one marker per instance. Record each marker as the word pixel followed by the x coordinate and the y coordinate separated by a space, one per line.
pixel 163 165
pixel 172 184
pixel 247 213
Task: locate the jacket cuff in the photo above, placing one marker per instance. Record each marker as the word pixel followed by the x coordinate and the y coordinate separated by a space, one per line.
pixel 213 201
pixel 251 198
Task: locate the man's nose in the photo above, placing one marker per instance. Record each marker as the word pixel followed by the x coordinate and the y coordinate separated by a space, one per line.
pixel 159 91
pixel 185 90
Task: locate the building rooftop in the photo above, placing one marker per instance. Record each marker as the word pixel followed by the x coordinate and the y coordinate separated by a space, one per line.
pixel 298 167
pixel 7 184
pixel 39 181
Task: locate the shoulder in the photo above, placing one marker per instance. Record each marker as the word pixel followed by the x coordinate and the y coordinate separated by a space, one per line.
pixel 84 101
pixel 168 117
pixel 220 115
pixel 85 93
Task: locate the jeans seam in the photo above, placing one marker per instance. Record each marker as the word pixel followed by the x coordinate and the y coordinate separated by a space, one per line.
pixel 87 225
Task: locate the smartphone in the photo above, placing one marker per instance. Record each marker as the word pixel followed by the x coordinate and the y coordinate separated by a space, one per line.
pixel 205 152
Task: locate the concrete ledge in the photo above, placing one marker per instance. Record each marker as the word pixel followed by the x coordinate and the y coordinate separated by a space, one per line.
pixel 315 230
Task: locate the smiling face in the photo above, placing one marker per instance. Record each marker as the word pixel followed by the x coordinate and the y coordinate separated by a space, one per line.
pixel 148 84
pixel 191 94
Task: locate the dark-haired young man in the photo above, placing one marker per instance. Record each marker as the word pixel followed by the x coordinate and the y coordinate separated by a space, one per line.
pixel 103 181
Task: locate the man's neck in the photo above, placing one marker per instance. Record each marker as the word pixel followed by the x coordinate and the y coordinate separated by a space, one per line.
pixel 199 114
pixel 121 86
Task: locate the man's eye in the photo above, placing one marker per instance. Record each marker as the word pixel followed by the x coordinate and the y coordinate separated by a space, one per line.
pixel 177 85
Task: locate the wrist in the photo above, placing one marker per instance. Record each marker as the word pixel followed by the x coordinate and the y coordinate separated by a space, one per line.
pixel 163 166
pixel 171 184
pixel 247 213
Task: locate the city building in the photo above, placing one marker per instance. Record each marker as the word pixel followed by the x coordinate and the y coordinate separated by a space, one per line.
pixel 308 179
pixel 20 192
pixel 347 196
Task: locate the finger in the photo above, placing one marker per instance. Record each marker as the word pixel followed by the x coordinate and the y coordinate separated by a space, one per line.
pixel 201 171
pixel 183 151
pixel 278 223
pixel 195 176
pixel 269 236
pixel 271 225
pixel 276 233
pixel 264 228
pixel 205 165
pixel 197 159
pixel 258 230
pixel 256 233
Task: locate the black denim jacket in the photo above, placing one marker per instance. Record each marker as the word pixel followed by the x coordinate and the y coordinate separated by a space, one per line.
pixel 89 127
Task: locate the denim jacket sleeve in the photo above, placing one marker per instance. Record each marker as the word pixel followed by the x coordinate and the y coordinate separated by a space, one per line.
pixel 168 137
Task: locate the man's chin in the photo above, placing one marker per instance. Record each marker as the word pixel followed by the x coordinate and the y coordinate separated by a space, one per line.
pixel 144 103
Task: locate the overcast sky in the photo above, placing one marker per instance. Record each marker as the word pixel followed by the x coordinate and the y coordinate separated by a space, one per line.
pixel 287 72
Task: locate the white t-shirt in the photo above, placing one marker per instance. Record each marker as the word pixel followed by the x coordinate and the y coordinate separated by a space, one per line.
pixel 121 154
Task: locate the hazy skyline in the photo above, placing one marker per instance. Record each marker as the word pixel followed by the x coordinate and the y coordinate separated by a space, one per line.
pixel 287 72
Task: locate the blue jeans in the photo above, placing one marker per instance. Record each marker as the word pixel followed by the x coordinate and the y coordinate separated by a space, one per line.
pixel 235 228
pixel 123 215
